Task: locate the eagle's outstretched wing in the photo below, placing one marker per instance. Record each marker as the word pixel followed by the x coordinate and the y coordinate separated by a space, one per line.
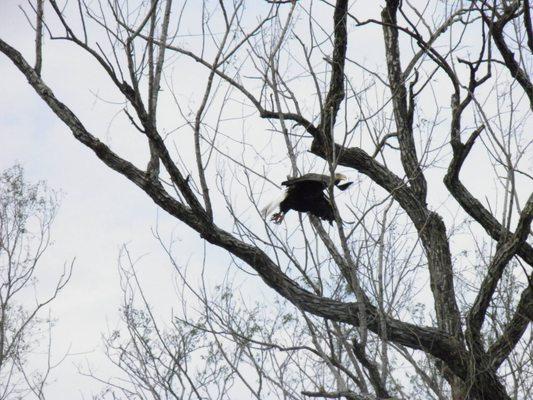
pixel 317 179
pixel 321 207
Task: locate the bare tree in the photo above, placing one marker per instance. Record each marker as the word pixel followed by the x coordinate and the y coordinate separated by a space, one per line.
pixel 450 92
pixel 26 215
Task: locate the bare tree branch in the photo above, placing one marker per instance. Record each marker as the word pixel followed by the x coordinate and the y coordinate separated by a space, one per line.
pixel 505 251
pixel 513 331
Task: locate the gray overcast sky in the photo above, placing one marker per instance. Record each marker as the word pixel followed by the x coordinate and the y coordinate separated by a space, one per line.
pixel 100 210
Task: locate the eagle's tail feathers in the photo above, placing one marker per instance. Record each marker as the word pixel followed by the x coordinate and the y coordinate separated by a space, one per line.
pixel 269 208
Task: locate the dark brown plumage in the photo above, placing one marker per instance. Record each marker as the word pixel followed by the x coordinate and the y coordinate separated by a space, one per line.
pixel 306 194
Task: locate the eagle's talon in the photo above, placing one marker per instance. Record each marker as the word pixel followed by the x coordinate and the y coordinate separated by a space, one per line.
pixel 277 218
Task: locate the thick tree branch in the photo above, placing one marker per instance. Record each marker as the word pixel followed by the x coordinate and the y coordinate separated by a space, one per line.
pixel 373 371
pixel 527 24
pixel 431 228
pixel 469 203
pixel 505 251
pixel 335 94
pixel 343 394
pixel 513 331
pixel 154 80
pixel 496 27
pixel 399 97
pixel 39 37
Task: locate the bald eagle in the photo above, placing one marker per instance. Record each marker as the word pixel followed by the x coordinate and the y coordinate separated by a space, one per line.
pixel 306 194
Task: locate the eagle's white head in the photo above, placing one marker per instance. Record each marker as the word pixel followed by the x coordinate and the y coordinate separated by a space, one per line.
pixel 340 177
